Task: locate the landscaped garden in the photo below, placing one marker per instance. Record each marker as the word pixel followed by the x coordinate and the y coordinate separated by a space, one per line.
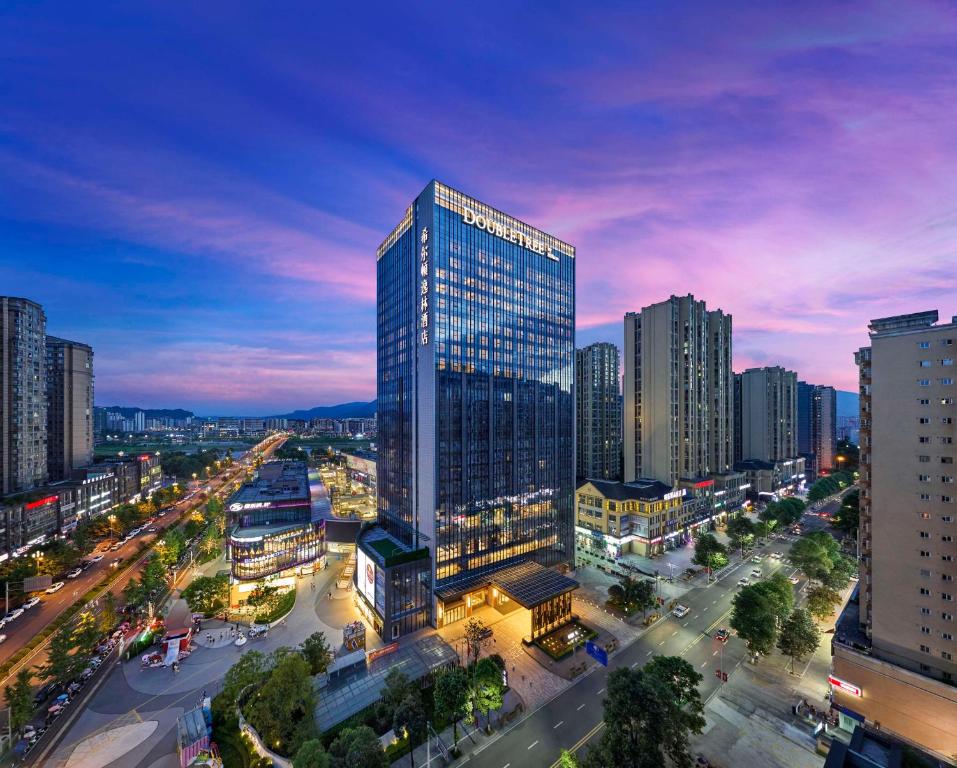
pixel 563 641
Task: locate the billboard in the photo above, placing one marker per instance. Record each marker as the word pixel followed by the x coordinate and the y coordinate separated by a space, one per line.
pixel 365 575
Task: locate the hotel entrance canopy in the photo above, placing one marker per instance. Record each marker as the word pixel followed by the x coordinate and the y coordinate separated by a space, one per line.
pixel 544 592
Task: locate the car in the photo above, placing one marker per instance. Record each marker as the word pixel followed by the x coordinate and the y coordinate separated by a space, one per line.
pixel 757 559
pixel 776 555
pixel 74 573
pixel 756 573
pixel 680 611
pixel 3 638
pixel 794 579
pixel 46 691
pixel 115 564
pixel 151 529
pixel 722 635
pixel 743 582
pixel 96 558
pixel 116 546
pixel 56 586
pixel 31 603
pixel 16 613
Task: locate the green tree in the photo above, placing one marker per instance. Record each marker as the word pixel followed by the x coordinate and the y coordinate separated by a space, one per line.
pixel 850 454
pixel 488 690
pixel 779 591
pixel 86 635
pixel 171 547
pixel 409 719
pixel 650 714
pixel 567 760
pixel 475 633
pixel 755 618
pixel 821 601
pixel 740 531
pixel 154 575
pixel 19 698
pixel 451 696
pixel 207 594
pixel 848 515
pixel 816 554
pixel 315 649
pixel 109 617
pixel 357 748
pixel 282 709
pixel 311 755
pixel 840 574
pixel 62 664
pixel 710 553
pixel 799 636
pixel 251 669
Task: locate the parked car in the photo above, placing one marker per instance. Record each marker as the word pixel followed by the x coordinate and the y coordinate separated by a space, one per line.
pixel 45 692
pixel 56 586
pixel 115 564
pixel 74 573
pixel 16 613
pixel 722 635
pixel 756 573
pixel 116 546
pixel 31 602
pixel 743 582
pixel 96 558
pixel 3 639
pixel 757 559
pixel 680 611
pixel 793 579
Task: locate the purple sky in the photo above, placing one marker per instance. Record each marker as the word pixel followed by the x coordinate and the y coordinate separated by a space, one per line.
pixel 200 194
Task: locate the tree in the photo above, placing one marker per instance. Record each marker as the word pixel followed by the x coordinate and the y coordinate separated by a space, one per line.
pixel 632 594
pixel 171 547
pixel 567 760
pixel 207 594
pixel 409 718
pixel 20 699
pixel 153 576
pixel 821 601
pixel 755 618
pixel 86 635
pixel 109 617
pixel 780 594
pixel 840 574
pixel 315 649
pixel 62 663
pixel 357 748
pixel 397 687
pixel 311 755
pixel 848 514
pixel 451 696
pixel 488 690
pixel 650 714
pixel 799 636
pixel 210 543
pixel 740 530
pixel 710 553
pixel 251 669
pixel 475 633
pixel 815 554
pixel 282 709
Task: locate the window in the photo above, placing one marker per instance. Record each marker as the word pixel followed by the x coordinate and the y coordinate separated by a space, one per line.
pixel 946 519
pixel 925 611
pixel 946 655
pixel 924 382
pixel 945 596
pixel 947 499
pixel 924 478
pixel 947 538
pixel 925 363
pixel 924 553
pixel 925 649
pixel 946 459
pixel 946 420
pixel 925 630
pixel 947 635
pixel 946 478
pixel 946 401
pixel 923 420
pixel 924 535
pixel 924 573
pixel 923 439
pixel 924 459
pixel 947 381
pixel 923 345
pixel 925 497
pixel 947 616
pixel 924 591
pixel 925 515
pixel 947 361
pixel 924 401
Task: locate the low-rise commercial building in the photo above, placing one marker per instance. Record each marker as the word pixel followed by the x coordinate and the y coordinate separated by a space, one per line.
pixel 645 517
pixel 782 477
pixel 138 477
pixel 274 530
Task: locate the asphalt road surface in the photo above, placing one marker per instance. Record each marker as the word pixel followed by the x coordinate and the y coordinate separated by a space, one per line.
pixel 574 717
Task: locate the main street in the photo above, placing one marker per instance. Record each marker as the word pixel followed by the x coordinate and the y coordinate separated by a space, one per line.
pixel 574 717
pixel 35 620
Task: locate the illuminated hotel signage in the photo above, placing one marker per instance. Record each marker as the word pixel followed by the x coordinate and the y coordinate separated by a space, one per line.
pixel 844 685
pixel 424 287
pixel 507 233
pixel 676 494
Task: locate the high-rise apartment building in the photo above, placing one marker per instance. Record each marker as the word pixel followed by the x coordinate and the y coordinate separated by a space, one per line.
pixel 678 417
pixel 476 419
pixel 765 410
pixel 69 406
pixel 23 395
pixel 598 412
pixel 817 426
pixel 894 649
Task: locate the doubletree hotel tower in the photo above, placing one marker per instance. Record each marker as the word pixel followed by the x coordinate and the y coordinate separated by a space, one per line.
pixel 476 419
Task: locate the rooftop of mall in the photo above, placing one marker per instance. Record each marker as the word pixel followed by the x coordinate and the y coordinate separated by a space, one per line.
pixel 275 481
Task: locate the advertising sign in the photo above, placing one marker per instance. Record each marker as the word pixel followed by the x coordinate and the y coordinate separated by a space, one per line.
pixel 596 652
pixel 365 576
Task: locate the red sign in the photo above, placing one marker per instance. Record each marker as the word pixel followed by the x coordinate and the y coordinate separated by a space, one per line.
pixel 41 502
pixel 844 685
pixel 704 484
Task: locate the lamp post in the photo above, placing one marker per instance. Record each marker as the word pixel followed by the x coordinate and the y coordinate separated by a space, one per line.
pixel 112 519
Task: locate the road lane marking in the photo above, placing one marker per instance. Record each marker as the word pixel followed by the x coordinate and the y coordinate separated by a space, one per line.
pixel 532 744
pixel 715 653
pixel 601 691
pixel 634 665
pixel 558 724
pixel 674 633
pixel 661 643
pixel 649 653
pixel 683 625
pixel 706 608
pixel 704 664
pixel 580 708
pixel 714 602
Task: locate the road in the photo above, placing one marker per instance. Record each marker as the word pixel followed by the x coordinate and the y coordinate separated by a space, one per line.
pixel 574 717
pixel 32 622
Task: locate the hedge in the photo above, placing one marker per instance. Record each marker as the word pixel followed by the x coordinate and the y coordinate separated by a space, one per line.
pixel 283 605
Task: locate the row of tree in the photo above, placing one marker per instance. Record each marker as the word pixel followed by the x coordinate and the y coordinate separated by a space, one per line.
pixel 829 485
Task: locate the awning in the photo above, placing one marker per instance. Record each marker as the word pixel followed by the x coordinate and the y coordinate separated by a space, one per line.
pixel 528 584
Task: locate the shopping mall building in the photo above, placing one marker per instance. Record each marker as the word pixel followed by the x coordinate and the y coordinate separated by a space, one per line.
pixel 476 443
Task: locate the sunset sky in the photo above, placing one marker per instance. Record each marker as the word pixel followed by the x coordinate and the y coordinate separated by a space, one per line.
pixel 198 190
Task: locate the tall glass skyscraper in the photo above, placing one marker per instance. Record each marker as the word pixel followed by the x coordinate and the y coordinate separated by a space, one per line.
pixel 476 419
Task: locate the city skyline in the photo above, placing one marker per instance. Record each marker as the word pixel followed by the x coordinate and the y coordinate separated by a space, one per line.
pixel 224 219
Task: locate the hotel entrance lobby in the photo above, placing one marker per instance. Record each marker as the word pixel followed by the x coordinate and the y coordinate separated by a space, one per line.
pixel 544 594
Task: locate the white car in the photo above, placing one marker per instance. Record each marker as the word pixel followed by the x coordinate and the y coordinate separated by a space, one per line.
pixel 680 611
pixel 756 573
pixel 3 638
pixel 757 559
pixel 16 613
pixel 794 579
pixel 31 602
pixel 743 583
pixel 56 586
pixel 74 573
pixel 96 558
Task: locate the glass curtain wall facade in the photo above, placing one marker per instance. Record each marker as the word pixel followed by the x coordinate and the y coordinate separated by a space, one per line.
pixel 476 361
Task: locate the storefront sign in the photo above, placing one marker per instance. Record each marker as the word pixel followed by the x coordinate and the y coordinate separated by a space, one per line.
pixel 41 502
pixel 507 233
pixel 844 685
pixel 676 494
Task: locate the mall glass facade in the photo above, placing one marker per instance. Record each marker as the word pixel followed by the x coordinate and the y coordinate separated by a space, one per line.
pixel 476 356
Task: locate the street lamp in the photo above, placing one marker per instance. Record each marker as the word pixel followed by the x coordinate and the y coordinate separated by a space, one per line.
pixel 38 556
pixel 112 519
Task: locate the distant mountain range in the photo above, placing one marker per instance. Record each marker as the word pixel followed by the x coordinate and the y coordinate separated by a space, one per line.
pixel 355 410
pixel 151 413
